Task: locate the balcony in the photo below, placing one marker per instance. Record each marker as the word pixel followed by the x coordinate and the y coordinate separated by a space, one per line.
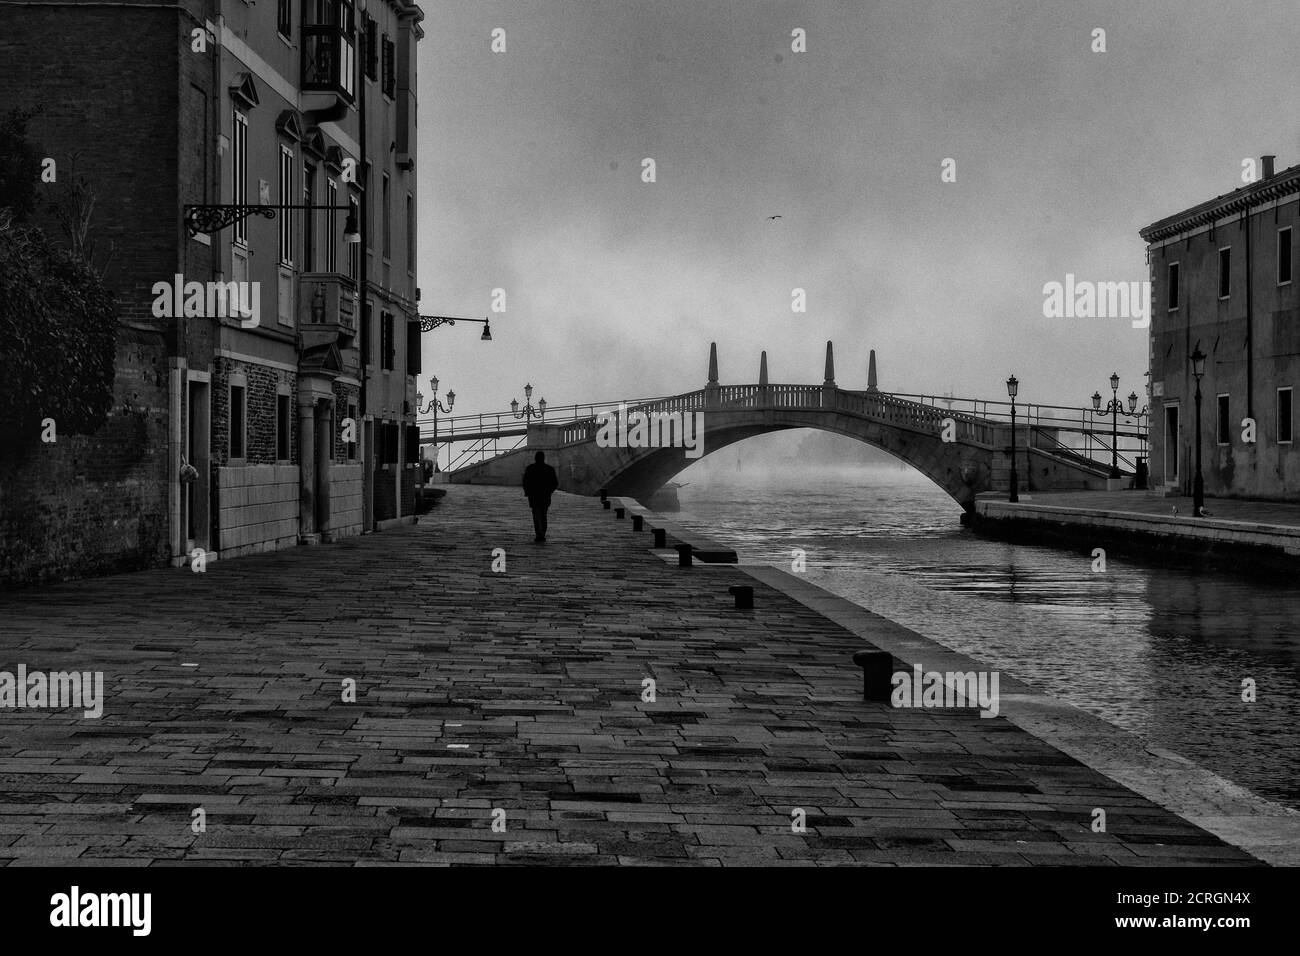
pixel 327 310
pixel 329 50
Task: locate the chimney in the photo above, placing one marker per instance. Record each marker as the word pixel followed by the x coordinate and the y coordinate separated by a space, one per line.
pixel 1267 163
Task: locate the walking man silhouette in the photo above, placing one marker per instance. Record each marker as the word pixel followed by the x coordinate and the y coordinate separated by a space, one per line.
pixel 539 483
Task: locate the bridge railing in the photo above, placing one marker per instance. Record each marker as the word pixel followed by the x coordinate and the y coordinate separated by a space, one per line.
pixel 1081 431
pixel 1072 431
pixel 452 428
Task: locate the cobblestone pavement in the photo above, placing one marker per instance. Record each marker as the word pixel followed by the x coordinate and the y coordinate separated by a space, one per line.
pixel 1225 509
pixel 519 691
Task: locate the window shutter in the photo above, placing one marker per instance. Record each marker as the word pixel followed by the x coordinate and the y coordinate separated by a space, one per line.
pixel 412 348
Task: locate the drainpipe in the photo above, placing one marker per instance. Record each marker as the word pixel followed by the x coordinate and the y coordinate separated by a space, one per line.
pixel 1250 337
pixel 367 475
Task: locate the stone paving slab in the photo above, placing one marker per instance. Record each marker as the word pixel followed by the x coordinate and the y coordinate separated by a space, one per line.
pixel 518 692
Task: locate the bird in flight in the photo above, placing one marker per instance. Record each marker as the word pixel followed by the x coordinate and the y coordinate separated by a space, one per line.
pixel 773 217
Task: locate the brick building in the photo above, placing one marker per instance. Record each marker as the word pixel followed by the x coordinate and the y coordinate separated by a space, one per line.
pixel 297 413
pixel 1223 279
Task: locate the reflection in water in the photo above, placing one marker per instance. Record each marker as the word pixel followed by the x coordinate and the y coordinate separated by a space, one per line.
pixel 1159 651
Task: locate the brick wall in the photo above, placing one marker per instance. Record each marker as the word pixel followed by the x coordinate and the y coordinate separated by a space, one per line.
pixel 97 504
pixel 343 396
pixel 93 504
pixel 256 501
pixel 262 386
pixel 116 113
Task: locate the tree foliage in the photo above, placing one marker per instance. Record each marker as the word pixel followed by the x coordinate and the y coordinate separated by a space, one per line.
pixel 58 320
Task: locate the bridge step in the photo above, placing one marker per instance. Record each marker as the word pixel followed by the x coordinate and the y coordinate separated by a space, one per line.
pixel 703 548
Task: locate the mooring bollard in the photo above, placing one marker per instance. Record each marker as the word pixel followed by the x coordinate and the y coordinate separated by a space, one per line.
pixel 606 503
pixel 877 673
pixel 638 522
pixel 661 538
pixel 683 555
pixel 744 596
pixel 620 512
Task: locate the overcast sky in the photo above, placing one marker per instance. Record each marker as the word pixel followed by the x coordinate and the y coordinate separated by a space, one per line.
pixel 530 180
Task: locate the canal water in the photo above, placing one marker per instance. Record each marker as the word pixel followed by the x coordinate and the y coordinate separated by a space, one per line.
pixel 1159 651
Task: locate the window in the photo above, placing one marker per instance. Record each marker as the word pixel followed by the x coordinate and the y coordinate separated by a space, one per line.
pixel 286 199
pixel 372 47
pixel 284 18
pixel 410 234
pixel 239 164
pixel 283 426
pixel 1284 256
pixel 1284 415
pixel 1173 286
pixel 352 445
pixel 387 347
pixel 388 220
pixel 1171 443
pixel 309 218
pixel 237 421
pixel 1225 421
pixel 329 37
pixel 413 348
pixel 1225 272
pixel 390 68
pixel 412 444
pixel 331 226
pixel 354 248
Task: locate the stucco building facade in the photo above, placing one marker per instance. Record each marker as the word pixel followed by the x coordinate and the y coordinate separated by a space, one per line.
pixel 1223 279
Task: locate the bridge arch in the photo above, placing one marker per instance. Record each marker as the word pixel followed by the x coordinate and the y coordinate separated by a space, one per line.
pixel 959 473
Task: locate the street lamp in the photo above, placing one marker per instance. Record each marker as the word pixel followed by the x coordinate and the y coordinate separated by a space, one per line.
pixel 1013 387
pixel 430 322
pixel 435 406
pixel 528 411
pixel 1198 480
pixel 213 217
pixel 1114 408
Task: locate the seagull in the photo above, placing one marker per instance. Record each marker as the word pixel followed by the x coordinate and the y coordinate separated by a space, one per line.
pixel 773 217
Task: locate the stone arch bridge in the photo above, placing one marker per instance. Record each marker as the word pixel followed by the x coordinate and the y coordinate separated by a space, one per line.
pixel 964 450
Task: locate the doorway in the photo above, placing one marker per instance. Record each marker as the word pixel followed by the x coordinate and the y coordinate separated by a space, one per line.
pixel 195 495
pixel 1171 446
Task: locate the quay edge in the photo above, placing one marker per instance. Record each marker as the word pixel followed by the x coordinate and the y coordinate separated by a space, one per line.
pixel 1182 540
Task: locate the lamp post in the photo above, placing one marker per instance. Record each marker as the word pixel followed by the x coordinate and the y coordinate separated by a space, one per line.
pixel 1013 386
pixel 528 411
pixel 1198 480
pixel 1113 408
pixel 435 406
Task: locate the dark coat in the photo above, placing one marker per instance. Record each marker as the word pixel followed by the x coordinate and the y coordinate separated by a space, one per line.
pixel 539 482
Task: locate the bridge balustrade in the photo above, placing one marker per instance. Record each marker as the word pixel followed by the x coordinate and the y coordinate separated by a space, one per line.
pixel 1070 432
